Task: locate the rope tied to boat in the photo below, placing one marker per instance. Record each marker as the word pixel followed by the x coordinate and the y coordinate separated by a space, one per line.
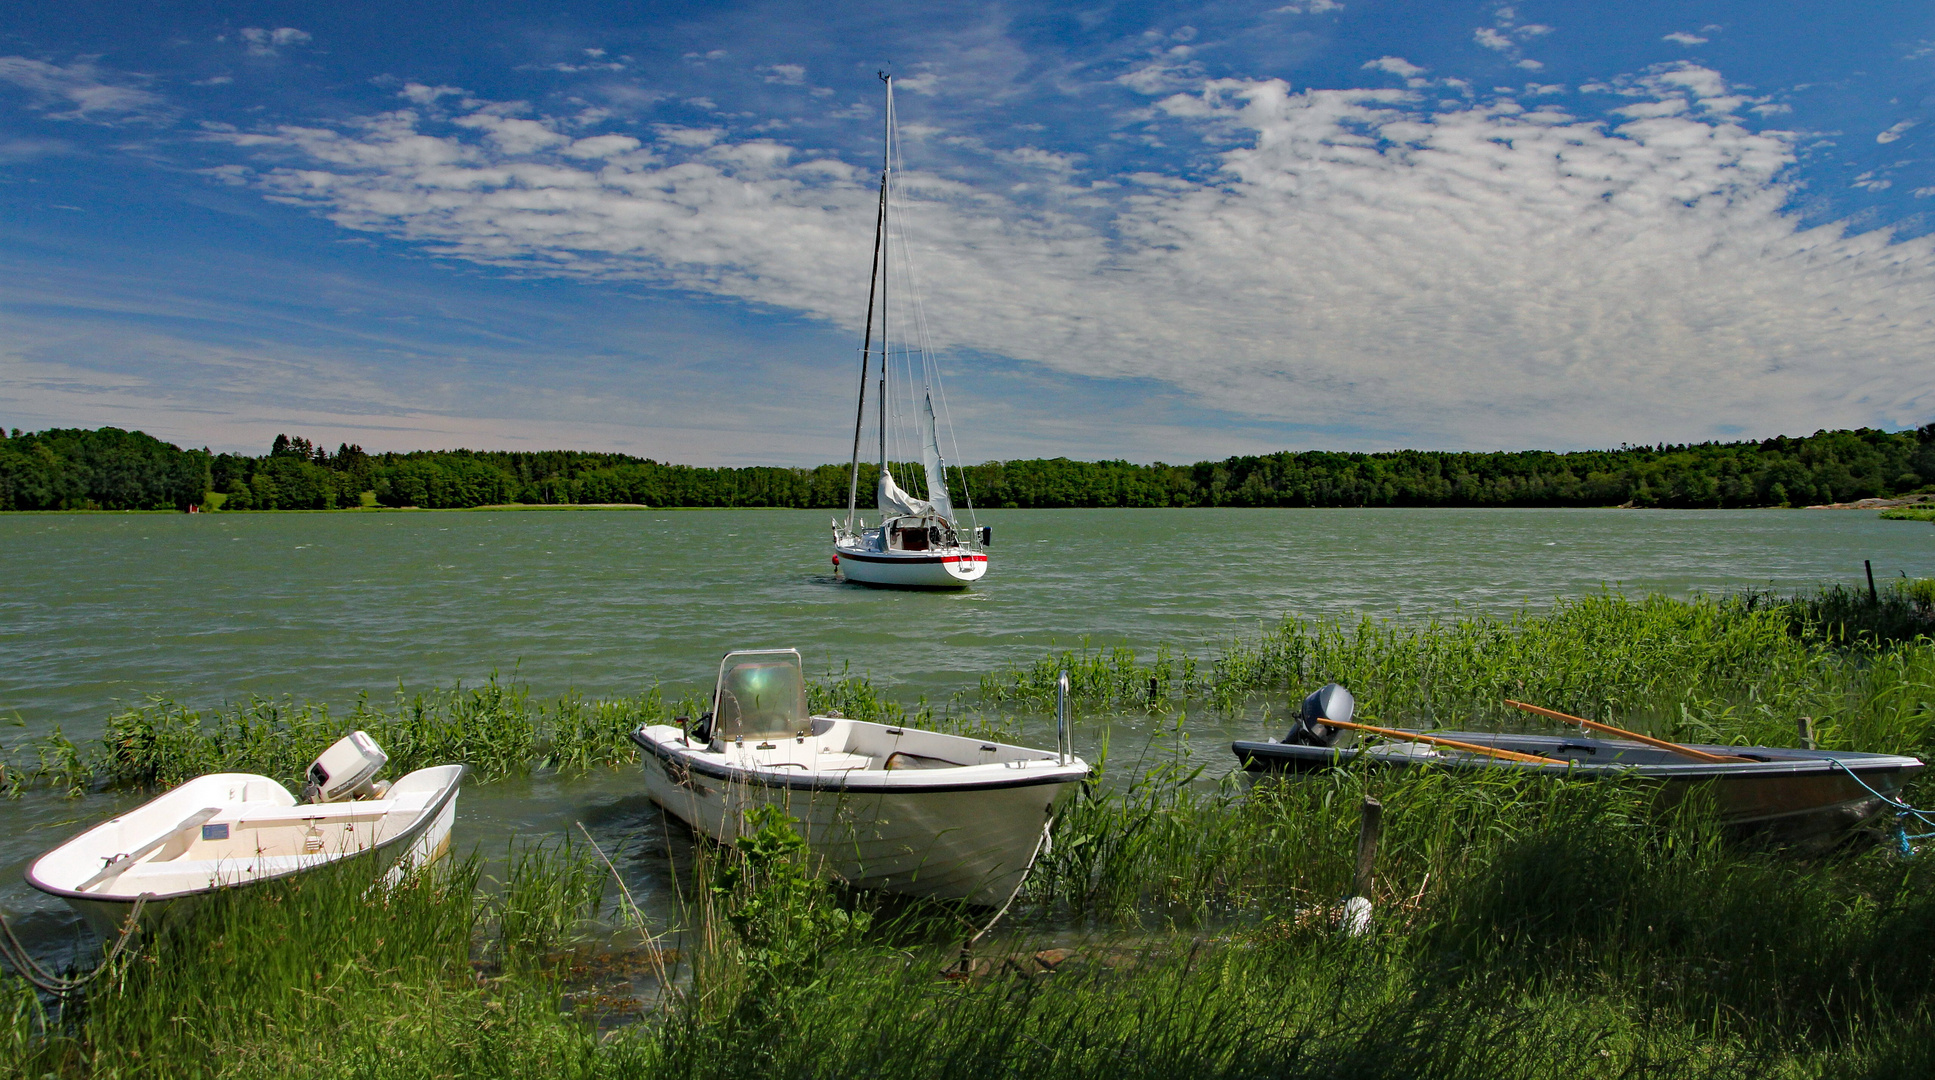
pixel 1903 812
pixel 22 961
pixel 1042 845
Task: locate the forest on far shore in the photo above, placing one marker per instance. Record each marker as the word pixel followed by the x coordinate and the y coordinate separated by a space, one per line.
pixel 111 469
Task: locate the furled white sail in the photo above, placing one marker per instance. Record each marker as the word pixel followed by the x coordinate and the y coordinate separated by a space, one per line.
pixel 894 502
pixel 930 456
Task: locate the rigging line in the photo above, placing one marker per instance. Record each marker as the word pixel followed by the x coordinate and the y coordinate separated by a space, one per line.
pixel 930 363
pixel 866 350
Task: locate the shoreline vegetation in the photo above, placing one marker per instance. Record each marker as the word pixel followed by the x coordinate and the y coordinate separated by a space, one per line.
pixel 111 469
pixel 1522 926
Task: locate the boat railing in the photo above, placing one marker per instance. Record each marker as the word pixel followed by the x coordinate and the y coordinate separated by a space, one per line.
pixel 1064 751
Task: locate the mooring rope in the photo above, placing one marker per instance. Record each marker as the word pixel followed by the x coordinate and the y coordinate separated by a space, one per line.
pixel 967 947
pixel 22 961
pixel 1903 812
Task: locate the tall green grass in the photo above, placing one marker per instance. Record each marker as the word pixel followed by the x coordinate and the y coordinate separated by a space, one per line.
pixel 1739 669
pixel 1522 929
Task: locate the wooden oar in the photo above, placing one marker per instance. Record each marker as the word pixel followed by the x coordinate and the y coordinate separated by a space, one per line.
pixel 1413 736
pixel 1661 744
pixel 122 862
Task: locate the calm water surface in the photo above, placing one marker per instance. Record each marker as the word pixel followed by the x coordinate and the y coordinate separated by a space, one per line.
pixel 99 609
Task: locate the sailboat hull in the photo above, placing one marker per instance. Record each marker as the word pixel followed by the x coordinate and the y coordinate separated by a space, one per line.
pixel 948 568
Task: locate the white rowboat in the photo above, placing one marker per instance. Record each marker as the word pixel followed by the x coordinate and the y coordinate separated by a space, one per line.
pixel 232 830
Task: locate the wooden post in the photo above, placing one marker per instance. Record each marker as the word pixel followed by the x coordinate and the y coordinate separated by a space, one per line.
pixel 1370 826
pixel 1873 596
pixel 1806 724
pixel 1152 689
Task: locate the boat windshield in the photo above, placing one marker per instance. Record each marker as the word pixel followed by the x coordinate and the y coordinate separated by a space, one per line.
pixel 760 695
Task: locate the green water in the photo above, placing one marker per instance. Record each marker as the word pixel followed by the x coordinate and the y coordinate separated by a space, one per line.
pixel 96 609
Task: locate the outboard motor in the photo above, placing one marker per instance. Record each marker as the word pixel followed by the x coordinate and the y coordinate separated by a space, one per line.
pixel 987 535
pixel 347 770
pixel 1330 702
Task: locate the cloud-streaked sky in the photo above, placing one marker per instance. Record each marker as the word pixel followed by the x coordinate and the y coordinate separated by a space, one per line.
pixel 1149 231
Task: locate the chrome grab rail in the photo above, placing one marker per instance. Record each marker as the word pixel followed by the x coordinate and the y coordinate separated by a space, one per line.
pixel 1064 751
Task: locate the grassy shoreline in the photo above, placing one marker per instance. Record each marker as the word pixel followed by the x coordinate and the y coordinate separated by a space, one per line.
pixel 1524 927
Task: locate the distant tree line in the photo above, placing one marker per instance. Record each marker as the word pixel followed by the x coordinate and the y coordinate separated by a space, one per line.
pixel 110 469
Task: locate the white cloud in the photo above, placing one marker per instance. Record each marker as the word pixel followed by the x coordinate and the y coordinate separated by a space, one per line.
pixel 1475 275
pixel 427 95
pixel 689 137
pixel 1396 65
pixel 1491 39
pixel 1895 132
pixel 785 74
pixel 1529 65
pixel 1308 7
pixel 263 42
pixel 83 91
pixel 1684 38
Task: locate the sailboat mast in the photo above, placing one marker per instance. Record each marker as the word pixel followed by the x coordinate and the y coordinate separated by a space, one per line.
pixel 886 202
pixel 866 351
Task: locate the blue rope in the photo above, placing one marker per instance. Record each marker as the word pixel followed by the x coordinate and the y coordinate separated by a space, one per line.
pixel 1903 812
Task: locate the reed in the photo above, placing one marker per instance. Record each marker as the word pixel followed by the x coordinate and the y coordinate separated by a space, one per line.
pixel 1733 670
pixel 340 972
pixel 497 729
pixel 1522 929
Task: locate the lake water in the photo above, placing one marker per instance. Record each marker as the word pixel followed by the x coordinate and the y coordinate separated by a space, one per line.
pixel 101 608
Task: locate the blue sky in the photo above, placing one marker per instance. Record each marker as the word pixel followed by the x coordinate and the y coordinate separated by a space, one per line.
pixel 1148 231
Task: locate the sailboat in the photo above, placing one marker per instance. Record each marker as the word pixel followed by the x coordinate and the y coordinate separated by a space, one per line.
pixel 918 542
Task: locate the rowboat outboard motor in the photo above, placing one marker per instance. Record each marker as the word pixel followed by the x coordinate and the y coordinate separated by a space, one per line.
pixel 347 770
pixel 1330 702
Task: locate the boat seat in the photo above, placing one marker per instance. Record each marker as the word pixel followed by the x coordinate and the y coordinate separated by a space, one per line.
pixel 901 759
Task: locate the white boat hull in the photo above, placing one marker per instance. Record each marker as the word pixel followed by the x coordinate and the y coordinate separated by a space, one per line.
pixel 947 568
pixel 965 833
pixel 266 838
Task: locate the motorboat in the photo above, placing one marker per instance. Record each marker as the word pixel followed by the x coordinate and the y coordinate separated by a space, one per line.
pixel 918 541
pixel 226 831
pixel 1784 796
pixel 879 806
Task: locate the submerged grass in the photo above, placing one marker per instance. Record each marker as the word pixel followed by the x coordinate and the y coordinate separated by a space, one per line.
pixel 497 729
pixel 1741 669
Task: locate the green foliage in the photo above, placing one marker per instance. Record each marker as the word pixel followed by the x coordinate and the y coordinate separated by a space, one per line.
pixel 1909 513
pixel 113 469
pixel 496 729
pixel 1734 669
pixel 338 973
pixel 108 469
pixel 782 914
pixel 549 891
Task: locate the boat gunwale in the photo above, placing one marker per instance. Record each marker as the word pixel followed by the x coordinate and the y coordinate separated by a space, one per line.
pixel 417 827
pixel 873 781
